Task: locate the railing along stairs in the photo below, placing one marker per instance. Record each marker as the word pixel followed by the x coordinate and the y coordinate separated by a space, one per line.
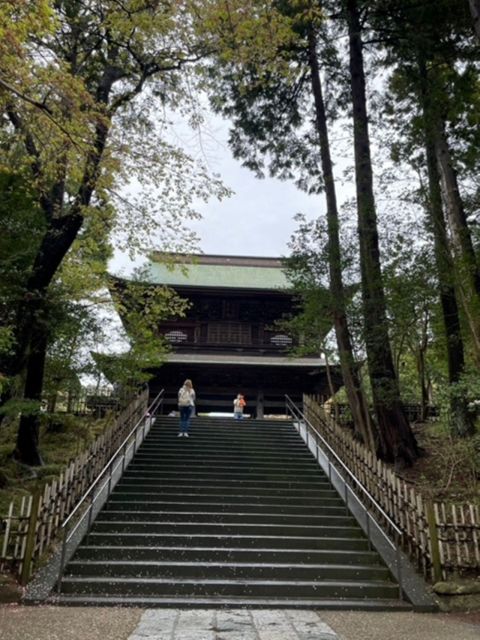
pixel 382 532
pixel 63 512
pixel 79 522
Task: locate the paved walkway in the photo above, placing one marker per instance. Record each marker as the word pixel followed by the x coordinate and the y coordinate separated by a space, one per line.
pixel 82 623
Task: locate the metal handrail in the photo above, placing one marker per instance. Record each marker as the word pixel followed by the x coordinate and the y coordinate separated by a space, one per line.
pixel 398 531
pixel 149 412
pixel 121 450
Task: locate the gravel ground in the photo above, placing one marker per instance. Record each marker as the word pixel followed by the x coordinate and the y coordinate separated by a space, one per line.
pixel 67 623
pixel 351 625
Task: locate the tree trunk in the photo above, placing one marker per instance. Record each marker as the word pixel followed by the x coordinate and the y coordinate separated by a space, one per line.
pixel 31 331
pixel 461 421
pixel 475 11
pixel 52 402
pixel 331 387
pixel 421 366
pixel 396 440
pixel 422 381
pixel 27 450
pixel 361 419
pixel 466 265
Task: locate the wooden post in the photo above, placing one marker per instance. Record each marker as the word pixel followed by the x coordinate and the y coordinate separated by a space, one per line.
pixel 434 541
pixel 30 540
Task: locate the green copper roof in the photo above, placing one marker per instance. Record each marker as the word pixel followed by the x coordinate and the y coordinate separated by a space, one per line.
pixel 219 275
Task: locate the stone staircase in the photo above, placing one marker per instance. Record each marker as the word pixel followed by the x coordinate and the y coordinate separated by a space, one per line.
pixel 239 514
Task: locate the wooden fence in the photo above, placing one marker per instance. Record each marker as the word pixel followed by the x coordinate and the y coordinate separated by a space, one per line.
pixel 443 539
pixel 82 402
pixel 412 411
pixel 31 526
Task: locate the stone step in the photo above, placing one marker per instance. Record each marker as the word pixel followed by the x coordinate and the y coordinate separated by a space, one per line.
pixel 182 504
pixel 222 436
pixel 247 488
pixel 234 587
pixel 245 428
pixel 238 428
pixel 254 465
pixel 225 423
pixel 226 570
pixel 218 528
pixel 222 554
pixel 230 516
pixel 217 470
pixel 224 474
pixel 178 448
pixel 230 541
pixel 234 602
pixel 283 486
pixel 194 444
pixel 231 434
pixel 141 498
pixel 223 458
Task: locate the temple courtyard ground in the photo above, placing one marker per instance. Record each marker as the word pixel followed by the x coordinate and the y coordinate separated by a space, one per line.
pixel 82 623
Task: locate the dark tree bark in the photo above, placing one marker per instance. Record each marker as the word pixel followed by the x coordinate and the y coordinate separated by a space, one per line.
pixel 465 263
pixel 358 405
pixel 462 421
pixel 27 450
pixel 396 440
pixel 32 338
pixel 475 11
pixel 420 355
pixel 92 52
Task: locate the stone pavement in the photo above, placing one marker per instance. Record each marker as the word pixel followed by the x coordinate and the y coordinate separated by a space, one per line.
pixel 236 624
pixel 113 623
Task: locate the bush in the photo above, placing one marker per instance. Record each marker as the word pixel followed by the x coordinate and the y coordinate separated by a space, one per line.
pixel 59 422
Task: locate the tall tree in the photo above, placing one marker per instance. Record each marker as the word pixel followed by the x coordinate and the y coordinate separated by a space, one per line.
pixel 397 441
pixel 70 107
pixel 462 419
pixel 423 42
pixel 271 86
pixel 355 395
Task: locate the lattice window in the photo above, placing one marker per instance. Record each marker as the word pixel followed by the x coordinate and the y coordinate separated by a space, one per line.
pixel 281 340
pixel 229 333
pixel 175 337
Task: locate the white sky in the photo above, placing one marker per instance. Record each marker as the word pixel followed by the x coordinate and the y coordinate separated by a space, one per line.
pixel 257 220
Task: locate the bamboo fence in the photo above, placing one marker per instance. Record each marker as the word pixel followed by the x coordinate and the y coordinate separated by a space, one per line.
pixel 31 526
pixel 442 538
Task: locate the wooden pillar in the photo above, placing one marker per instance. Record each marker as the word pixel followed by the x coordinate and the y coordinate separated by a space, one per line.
pixel 260 404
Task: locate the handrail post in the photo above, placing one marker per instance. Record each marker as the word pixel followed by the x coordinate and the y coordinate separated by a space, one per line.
pixel 90 512
pixel 109 486
pixel 124 455
pixel 369 536
pixel 62 559
pixel 399 568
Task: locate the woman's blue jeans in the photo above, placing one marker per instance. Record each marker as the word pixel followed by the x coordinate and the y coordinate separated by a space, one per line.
pixel 185 413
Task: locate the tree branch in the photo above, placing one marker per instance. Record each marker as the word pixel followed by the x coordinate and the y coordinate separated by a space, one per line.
pixel 41 107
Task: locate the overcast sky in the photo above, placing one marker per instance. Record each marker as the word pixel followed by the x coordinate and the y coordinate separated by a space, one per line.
pixel 257 220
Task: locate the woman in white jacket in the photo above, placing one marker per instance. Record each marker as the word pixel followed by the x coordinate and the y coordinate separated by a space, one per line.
pixel 186 403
